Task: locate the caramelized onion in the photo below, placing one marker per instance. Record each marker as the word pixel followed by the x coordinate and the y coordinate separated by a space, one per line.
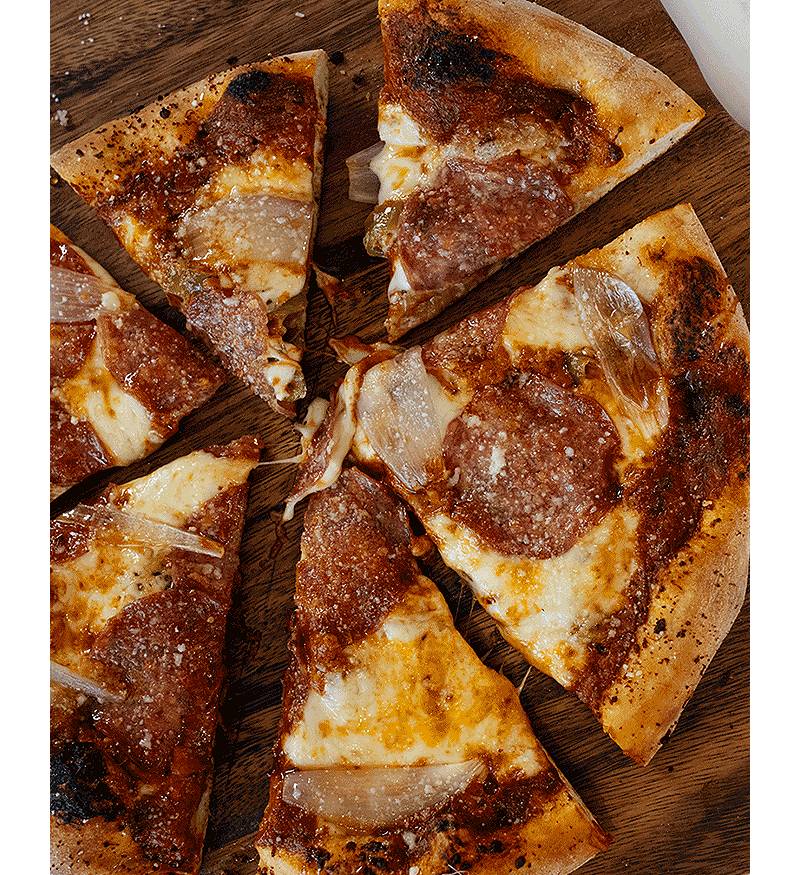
pixel 404 412
pixel 372 798
pixel 382 227
pixel 65 677
pixel 79 297
pixel 137 529
pixel 250 228
pixel 364 182
pixel 616 325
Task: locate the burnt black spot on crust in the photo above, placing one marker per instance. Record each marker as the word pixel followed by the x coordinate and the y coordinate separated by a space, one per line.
pixel 661 626
pixel 78 788
pixel 245 85
pixel 445 57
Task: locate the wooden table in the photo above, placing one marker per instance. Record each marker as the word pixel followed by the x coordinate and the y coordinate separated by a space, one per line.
pixel 688 811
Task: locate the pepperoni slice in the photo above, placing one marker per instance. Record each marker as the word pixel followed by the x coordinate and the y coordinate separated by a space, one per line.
pixel 356 565
pixel 475 215
pixel 155 364
pixel 534 466
pixel 75 448
pixel 70 343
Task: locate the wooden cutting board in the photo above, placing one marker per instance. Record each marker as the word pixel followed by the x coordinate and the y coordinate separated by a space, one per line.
pixel 688 811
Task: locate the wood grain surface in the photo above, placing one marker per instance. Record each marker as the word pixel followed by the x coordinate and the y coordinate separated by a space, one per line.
pixel 688 811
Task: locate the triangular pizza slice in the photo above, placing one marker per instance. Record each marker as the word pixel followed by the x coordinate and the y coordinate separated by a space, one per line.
pixel 399 750
pixel 579 454
pixel 501 120
pixel 141 584
pixel 213 191
pixel 120 379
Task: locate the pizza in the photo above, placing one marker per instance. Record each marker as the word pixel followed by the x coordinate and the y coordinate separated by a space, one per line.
pixel 120 379
pixel 579 454
pixel 500 121
pixel 213 191
pixel 141 584
pixel 399 751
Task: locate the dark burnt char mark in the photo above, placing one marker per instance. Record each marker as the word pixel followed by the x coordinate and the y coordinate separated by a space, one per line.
pixel 78 788
pixel 704 448
pixel 355 568
pixel 535 466
pixel 258 109
pixel 474 215
pixel 448 76
pixel 156 365
pixel 477 824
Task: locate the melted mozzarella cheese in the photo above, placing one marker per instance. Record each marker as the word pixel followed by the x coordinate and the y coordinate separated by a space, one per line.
pixel 174 492
pixel 414 692
pixel 121 422
pixel 547 607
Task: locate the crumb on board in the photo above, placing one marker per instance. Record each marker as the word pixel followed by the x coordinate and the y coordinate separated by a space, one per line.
pixel 62 117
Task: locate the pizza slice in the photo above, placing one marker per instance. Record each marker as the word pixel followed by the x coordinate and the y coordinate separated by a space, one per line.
pixel 500 121
pixel 213 191
pixel 579 454
pixel 120 379
pixel 141 584
pixel 399 750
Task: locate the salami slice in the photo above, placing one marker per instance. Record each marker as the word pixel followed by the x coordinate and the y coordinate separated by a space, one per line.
pixel 533 466
pixel 475 215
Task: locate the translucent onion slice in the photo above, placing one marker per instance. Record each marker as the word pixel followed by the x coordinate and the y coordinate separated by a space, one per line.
pixel 79 297
pixel 404 412
pixel 249 228
pixel 364 182
pixel 65 677
pixel 137 529
pixel 616 325
pixel 377 797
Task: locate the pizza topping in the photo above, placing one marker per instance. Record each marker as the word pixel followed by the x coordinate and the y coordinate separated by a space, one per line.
pixel 110 522
pixel 243 235
pixel 155 365
pixel 404 412
pixel 65 677
pixel 356 533
pixel 617 327
pixel 364 182
pixel 370 798
pixel 76 450
pixel 474 215
pixel 533 466
pixel 80 297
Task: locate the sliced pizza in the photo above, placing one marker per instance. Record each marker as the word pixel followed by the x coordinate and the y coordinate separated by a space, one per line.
pixel 120 379
pixel 213 191
pixel 500 121
pixel 141 584
pixel 579 453
pixel 399 750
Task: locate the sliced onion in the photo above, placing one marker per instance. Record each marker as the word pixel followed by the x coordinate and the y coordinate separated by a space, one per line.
pixel 616 325
pixel 250 228
pixel 351 350
pixel 138 529
pixel 65 677
pixel 79 297
pixel 382 227
pixel 377 797
pixel 364 182
pixel 404 412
